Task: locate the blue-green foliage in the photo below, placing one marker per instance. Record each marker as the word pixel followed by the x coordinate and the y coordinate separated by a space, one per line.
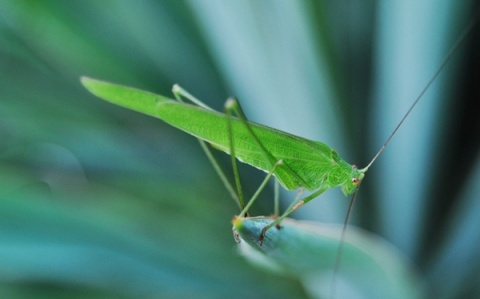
pixel 98 201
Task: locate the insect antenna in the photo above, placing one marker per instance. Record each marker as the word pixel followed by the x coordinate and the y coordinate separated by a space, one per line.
pixel 437 72
pixel 442 65
pixel 336 265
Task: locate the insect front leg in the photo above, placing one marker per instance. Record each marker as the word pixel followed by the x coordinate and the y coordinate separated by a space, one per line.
pixel 295 201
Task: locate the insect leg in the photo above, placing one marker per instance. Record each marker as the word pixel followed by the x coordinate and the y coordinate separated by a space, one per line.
pixel 290 210
pixel 233 159
pixel 180 93
pixel 232 105
pixel 276 199
pixel 260 188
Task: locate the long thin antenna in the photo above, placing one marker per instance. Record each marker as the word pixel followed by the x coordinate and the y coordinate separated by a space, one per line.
pixel 340 245
pixel 447 58
pixel 424 90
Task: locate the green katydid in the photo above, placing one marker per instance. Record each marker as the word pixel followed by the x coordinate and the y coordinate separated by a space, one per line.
pixel 296 162
pixel 305 164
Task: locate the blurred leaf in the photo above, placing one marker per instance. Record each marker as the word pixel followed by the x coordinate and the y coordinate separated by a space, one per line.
pixel 79 244
pixel 370 267
pixel 100 201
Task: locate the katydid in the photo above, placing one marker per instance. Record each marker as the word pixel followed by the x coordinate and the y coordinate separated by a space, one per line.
pixel 306 164
pixel 296 162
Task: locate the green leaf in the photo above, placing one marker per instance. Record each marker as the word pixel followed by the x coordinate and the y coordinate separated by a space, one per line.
pixel 370 267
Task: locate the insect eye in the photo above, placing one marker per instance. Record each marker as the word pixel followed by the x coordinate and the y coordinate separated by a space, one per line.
pixel 354 166
pixel 355 180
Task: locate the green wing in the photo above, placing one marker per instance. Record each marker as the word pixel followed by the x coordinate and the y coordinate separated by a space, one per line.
pixel 306 162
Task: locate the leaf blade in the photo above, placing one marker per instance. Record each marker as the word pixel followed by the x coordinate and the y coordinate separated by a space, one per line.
pixel 370 267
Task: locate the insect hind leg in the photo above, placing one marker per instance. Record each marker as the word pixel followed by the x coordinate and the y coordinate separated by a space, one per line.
pixel 181 94
pixel 232 106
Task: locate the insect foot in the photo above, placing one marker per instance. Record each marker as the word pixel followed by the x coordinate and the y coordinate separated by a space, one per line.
pixel 236 236
pixel 261 238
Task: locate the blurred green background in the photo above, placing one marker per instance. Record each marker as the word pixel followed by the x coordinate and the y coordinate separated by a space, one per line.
pixel 101 202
